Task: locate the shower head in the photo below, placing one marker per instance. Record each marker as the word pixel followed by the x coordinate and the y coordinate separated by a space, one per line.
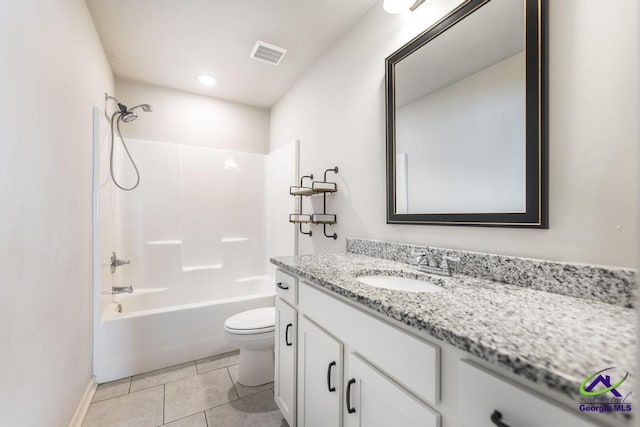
pixel 128 116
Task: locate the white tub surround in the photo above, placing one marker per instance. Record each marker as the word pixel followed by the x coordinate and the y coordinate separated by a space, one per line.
pixel 195 233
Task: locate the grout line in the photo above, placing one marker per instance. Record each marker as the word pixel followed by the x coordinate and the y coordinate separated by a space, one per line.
pixel 184 365
pixel 219 405
pixel 126 394
pixel 232 382
pixel 206 420
pixel 178 379
pixel 191 415
pixel 129 392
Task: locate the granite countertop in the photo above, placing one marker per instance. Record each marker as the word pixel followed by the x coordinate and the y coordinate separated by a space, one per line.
pixel 544 337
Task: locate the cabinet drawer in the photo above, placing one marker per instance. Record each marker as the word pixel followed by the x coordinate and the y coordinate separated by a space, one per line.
pixel 482 393
pixel 406 359
pixel 286 287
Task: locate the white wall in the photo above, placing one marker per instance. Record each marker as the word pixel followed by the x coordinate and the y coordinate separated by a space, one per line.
pixel 336 110
pixel 184 118
pixel 54 71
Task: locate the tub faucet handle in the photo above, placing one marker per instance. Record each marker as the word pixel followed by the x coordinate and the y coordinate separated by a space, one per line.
pixel 115 262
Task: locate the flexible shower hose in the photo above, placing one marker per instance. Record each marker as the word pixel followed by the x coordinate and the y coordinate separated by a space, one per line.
pixel 124 145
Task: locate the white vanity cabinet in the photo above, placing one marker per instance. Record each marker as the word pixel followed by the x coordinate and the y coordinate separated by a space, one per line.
pixel 338 348
pixel 284 390
pixel 341 366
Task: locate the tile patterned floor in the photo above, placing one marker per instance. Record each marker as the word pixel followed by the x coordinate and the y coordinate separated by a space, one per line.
pixel 203 393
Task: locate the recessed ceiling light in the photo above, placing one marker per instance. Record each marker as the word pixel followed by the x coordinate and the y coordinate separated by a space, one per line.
pixel 207 80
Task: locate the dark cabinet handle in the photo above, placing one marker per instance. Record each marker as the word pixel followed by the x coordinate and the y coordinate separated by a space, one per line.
pixel 496 418
pixel 351 382
pixel 331 365
pixel 286 335
pixel 282 286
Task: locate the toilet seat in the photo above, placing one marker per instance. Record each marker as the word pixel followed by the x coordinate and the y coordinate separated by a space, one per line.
pixel 252 322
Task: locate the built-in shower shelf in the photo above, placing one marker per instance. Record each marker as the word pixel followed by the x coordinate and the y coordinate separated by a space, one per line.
pixel 251 279
pixel 164 242
pixel 234 239
pixel 203 267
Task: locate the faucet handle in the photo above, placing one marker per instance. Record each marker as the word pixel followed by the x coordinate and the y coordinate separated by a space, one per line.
pixel 419 256
pixel 115 262
pixel 444 264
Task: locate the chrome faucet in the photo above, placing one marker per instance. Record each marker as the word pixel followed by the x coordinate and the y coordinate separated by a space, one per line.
pixel 426 264
pixel 115 262
pixel 122 290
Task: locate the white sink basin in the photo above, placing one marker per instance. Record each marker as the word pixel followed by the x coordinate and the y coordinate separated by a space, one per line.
pixel 399 283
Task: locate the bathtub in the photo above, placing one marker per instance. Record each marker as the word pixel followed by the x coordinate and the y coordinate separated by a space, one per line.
pixel 160 327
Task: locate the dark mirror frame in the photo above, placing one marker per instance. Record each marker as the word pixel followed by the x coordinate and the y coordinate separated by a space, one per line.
pixel 536 214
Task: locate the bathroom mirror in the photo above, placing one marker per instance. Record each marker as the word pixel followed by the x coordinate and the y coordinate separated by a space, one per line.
pixel 466 119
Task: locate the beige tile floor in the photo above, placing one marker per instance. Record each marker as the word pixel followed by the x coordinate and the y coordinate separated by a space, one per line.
pixel 203 393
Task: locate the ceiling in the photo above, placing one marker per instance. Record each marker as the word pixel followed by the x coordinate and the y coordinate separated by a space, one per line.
pixel 169 43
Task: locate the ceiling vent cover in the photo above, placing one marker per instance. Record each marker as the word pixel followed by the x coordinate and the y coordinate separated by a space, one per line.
pixel 267 53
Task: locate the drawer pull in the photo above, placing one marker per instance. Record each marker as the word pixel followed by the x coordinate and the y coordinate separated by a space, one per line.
pixel 331 365
pixel 286 335
pixel 282 286
pixel 351 382
pixel 496 418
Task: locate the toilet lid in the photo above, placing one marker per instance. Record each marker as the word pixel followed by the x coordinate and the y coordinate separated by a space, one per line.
pixel 260 318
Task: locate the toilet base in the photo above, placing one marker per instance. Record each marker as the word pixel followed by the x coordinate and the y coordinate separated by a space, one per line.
pixel 256 366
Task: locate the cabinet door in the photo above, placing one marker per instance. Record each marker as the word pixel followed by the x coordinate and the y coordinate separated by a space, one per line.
pixel 373 400
pixel 319 376
pixel 285 352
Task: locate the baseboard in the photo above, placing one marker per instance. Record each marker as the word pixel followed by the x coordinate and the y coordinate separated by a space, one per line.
pixel 83 404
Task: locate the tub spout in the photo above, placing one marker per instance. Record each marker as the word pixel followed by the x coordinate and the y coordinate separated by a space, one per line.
pixel 122 289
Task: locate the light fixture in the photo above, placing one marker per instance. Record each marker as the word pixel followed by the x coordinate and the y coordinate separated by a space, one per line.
pixel 401 6
pixel 207 80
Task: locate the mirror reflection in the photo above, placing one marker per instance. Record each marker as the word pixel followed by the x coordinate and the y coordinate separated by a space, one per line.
pixel 460 117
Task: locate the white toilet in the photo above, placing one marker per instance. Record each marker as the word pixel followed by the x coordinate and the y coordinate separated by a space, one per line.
pixel 254 332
